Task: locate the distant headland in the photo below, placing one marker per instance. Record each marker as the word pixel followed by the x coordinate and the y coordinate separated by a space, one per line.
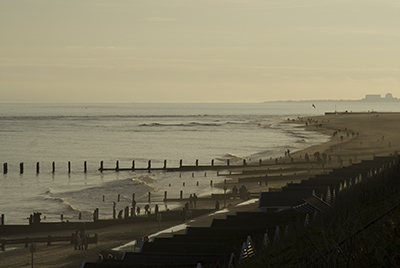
pixel 368 98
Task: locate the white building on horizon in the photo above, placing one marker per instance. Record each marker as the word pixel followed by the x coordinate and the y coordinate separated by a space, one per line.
pixel 377 97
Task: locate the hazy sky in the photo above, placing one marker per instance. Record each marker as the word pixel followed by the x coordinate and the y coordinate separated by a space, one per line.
pixel 197 50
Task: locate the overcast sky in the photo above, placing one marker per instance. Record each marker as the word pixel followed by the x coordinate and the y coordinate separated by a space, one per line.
pixel 197 50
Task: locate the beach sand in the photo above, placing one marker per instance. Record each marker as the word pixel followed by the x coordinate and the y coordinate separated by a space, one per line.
pixel 361 137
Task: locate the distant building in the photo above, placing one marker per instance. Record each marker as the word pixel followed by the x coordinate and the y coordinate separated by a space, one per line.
pixel 377 97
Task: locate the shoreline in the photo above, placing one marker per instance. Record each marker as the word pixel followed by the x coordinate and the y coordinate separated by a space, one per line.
pixel 375 134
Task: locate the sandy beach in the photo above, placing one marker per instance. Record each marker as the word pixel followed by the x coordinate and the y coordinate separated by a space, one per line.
pixel 354 137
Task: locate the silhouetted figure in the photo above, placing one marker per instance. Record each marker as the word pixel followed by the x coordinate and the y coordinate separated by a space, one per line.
pixel 194 200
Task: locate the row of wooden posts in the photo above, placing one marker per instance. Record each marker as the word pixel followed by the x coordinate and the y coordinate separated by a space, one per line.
pixel 21 167
pixel 117 167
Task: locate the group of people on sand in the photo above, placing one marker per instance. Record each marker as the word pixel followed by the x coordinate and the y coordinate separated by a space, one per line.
pixel 243 193
pixel 80 240
pixel 193 200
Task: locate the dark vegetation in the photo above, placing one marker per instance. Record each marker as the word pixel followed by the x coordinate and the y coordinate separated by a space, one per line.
pixel 361 230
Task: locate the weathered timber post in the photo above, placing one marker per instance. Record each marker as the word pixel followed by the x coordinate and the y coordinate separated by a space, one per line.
pixel 119 197
pixel 197 162
pixel 101 166
pixel 53 166
pixel 69 167
pixel 165 195
pixel 85 166
pixel 165 164
pixel 244 162
pixel 37 168
pixel 21 168
pixel 181 195
pixel 2 219
pixel 227 162
pixel 212 162
pixel 260 162
pixel 180 163
pixel 211 182
pixel 133 164
pixel 117 165
pixel 149 165
pixel 149 197
pixel 5 168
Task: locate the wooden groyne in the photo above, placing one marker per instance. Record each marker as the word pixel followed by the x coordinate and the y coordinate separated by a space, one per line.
pixel 150 167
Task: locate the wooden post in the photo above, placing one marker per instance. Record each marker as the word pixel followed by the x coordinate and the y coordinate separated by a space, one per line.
pixel 197 162
pixel 181 195
pixel 149 165
pixel 149 197
pixel 119 197
pixel 180 163
pixel 212 162
pixel 165 195
pixel 53 166
pixel 227 162
pixel 5 168
pixel 165 164
pixel 21 168
pixel 37 167
pixel 133 197
pixel 85 166
pixel 211 183
pixel 101 166
pixel 2 219
pixel 183 184
pixel 244 162
pixel 133 164
pixel 80 216
pixel 69 167
pixel 117 165
pixel 260 162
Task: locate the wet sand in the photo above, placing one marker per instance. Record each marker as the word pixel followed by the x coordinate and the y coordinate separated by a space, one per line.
pixel 361 137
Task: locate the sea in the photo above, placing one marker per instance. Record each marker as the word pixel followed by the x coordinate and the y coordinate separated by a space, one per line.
pixel 32 133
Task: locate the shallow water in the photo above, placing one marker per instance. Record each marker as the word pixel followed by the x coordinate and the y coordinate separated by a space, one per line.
pixel 44 133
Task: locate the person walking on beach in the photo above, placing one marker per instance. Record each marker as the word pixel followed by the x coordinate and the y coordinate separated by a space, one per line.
pixel 76 240
pixel 156 209
pixel 194 200
pixel 191 200
pixel 137 210
pixel 234 191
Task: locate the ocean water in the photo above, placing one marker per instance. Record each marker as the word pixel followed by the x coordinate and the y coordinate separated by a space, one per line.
pixel 59 133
